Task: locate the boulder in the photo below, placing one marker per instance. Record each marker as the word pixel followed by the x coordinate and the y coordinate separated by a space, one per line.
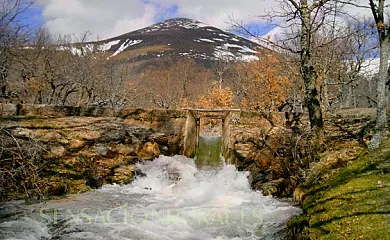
pixel 114 135
pixel 51 137
pixel 124 174
pixel 125 150
pixel 149 151
pixel 104 151
pixel 244 150
pixel 77 144
pixel 21 133
pixel 159 138
pixel 57 151
pixel 268 188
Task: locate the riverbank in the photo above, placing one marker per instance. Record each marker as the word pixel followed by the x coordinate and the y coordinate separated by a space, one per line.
pixel 352 203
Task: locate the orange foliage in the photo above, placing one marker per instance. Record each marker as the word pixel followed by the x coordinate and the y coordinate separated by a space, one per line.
pixel 267 83
pixel 216 98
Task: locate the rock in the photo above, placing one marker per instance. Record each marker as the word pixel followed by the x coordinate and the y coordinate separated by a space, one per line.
pixel 131 140
pixel 114 135
pixel 88 134
pixel 21 133
pixel 93 181
pixel 243 150
pixel 124 174
pixel 269 188
pixel 57 151
pixel 264 158
pixel 51 137
pixel 139 173
pixel 77 144
pixel 102 150
pixel 159 138
pixel 105 151
pixel 164 150
pixel 259 177
pixel 149 151
pixel 125 150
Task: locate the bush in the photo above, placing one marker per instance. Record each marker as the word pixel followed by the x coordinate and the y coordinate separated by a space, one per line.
pixel 21 166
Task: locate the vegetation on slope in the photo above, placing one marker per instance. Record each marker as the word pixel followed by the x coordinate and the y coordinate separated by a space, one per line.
pixel 353 203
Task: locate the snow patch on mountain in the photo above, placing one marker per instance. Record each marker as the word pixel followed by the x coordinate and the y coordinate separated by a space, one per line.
pixel 206 40
pixel 107 46
pixel 125 45
pixel 223 53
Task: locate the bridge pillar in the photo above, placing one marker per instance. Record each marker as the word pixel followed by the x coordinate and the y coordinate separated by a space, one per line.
pixel 191 133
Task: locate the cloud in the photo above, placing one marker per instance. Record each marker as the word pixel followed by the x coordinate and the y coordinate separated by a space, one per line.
pixel 102 18
pixel 110 18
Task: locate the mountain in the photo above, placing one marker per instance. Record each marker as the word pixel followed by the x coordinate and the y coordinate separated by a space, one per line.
pixel 179 37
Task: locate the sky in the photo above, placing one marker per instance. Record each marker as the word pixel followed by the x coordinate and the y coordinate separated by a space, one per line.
pixel 109 18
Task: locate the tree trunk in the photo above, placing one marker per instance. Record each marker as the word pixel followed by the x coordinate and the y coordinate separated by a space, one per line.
pixel 378 11
pixel 381 94
pixel 3 72
pixel 309 74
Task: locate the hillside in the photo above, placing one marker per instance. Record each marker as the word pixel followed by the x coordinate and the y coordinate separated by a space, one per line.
pixel 353 203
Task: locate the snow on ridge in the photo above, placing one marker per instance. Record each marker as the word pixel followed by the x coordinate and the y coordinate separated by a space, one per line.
pixel 193 24
pixel 232 45
pixel 223 35
pixel 206 40
pixel 178 22
pixel 125 45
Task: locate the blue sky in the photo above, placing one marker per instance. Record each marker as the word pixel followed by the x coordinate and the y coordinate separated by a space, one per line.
pixel 33 17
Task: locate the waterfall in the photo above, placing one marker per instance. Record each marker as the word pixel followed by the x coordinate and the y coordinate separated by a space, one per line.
pixel 173 200
pixel 209 155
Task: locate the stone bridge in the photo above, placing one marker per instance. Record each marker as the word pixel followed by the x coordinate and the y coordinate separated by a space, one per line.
pixel 193 125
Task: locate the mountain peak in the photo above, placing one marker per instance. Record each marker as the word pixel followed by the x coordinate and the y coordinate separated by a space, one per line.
pixel 180 22
pixel 181 38
pixel 180 19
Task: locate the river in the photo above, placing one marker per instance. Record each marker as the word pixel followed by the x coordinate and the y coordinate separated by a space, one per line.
pixel 174 200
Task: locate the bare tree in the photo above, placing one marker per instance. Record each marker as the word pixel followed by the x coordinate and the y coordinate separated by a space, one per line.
pixel 12 34
pixel 302 21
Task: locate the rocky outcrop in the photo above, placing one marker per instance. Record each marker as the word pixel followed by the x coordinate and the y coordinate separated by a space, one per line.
pixel 79 152
pixel 280 159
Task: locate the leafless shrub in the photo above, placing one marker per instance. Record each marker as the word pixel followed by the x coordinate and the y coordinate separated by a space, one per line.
pixel 21 166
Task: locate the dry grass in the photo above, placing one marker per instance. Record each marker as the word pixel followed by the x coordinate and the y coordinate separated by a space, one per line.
pixel 129 54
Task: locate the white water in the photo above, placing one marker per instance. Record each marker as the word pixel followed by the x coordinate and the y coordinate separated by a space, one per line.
pixel 174 201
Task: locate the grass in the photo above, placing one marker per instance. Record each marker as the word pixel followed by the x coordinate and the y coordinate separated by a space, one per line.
pixel 354 203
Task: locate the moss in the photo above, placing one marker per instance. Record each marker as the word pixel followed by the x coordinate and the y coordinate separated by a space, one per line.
pixel 296 226
pixel 354 203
